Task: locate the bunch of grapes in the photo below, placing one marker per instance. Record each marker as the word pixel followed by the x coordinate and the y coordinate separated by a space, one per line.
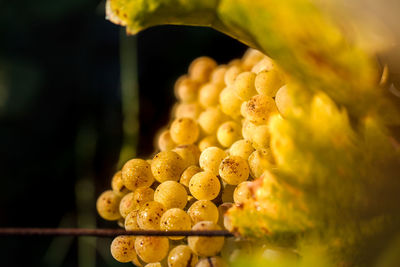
pixel 216 144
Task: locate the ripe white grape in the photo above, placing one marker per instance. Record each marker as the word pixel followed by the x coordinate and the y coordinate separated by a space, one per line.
pixel 229 102
pixel 210 119
pixel 187 110
pixel 201 68
pixel 108 205
pixel 174 220
pixel 231 73
pixel 203 210
pixel 188 173
pixel 215 261
pixel 189 153
pixel 151 248
pixel 265 64
pixel 130 223
pixel 259 108
pixel 222 209
pixel 171 194
pixel 123 248
pixel 251 58
pixel 153 264
pixel 149 216
pixel 208 141
pixel 209 95
pixel 260 161
pixel 234 170
pixel 184 131
pixel 261 137
pixel 241 148
pixel 164 141
pixel 268 82
pixel 210 159
pixel 242 192
pixel 204 186
pixel 283 101
pixel 218 75
pixel 117 184
pixel 248 130
pixel 127 204
pixel 167 165
pixel 182 256
pixel 206 246
pixel 136 173
pixel 143 195
pixel 244 85
pixel 186 89
pixel 228 133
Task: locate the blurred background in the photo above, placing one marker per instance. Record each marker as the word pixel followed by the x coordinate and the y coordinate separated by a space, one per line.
pixel 78 98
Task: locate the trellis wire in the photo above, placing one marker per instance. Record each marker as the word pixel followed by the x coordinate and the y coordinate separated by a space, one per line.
pixel 105 232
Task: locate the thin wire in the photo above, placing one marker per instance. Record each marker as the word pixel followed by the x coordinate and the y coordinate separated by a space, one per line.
pixel 105 232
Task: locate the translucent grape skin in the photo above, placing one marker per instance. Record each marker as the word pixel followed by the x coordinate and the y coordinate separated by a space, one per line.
pixel 268 82
pixel 186 89
pixel 182 256
pixel 117 184
pixel 188 174
pixel 164 141
pixel 210 159
pixel 136 173
pixel 200 69
pixel 123 248
pixel 259 108
pixel 259 161
pixel 208 141
pixel 130 223
pixel 149 216
pixel 215 261
pixel 151 248
pixel 234 170
pixel 153 264
pixel 184 131
pixel 127 204
pixel 175 219
pixel 204 186
pixel 108 205
pixel 209 95
pixel 229 102
pixel 188 110
pixel 189 153
pixel 171 194
pixel 143 195
pixel 228 133
pixel 205 246
pixel 242 192
pixel 210 119
pixel 244 85
pixel 203 210
pixel 167 165
pixel 241 148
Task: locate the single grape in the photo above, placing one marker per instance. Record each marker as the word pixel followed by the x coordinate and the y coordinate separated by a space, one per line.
pixel 151 248
pixel 188 173
pixel 189 153
pixel 242 192
pixel 201 68
pixel 260 161
pixel 218 75
pixel 209 95
pixel 215 261
pixel 184 131
pixel 234 170
pixel 123 248
pixel 153 264
pixel 248 130
pixel 231 73
pixel 164 141
pixel 174 220
pixel 268 82
pixel 108 205
pixel 229 102
pixel 259 108
pixel 203 210
pixel 241 148
pixel 208 141
pixel 187 110
pixel 283 101
pixel 250 58
pixel 204 186
pixel 167 165
pixel 117 184
pixel 143 195
pixel 228 133
pixel 182 256
pixel 210 159
pixel 137 173
pixel 244 85
pixel 222 209
pixel 206 246
pixel 186 89
pixel 266 64
pixel 130 223
pixel 210 119
pixel 171 194
pixel 127 204
pixel 149 216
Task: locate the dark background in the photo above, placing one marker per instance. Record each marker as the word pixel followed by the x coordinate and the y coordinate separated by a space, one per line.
pixel 61 117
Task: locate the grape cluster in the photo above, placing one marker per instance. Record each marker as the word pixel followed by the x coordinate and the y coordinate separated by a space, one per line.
pixel 216 144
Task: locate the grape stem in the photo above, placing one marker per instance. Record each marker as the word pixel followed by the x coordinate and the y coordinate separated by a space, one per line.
pixel 105 232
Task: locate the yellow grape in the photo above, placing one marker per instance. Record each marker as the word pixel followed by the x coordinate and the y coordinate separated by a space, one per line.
pixel 260 161
pixel 228 133
pixel 151 248
pixel 149 216
pixel 143 195
pixel 241 148
pixel 204 186
pixel 283 101
pixel 123 248
pixel 117 184
pixel 127 204
pixel 209 95
pixel 231 73
pixel 222 209
pixel 210 159
pixel 215 261
pixel 186 89
pixel 242 192
pixel 201 68
pixel 261 137
pixel 167 165
pixel 229 102
pixel 187 110
pixel 250 58
pixel 136 173
pixel 210 119
pixel 203 210
pixel 265 64
pixel 188 173
pixel 218 75
pixel 189 153
pixel 164 141
pixel 234 170
pixel 184 131
pixel 259 108
pixel 131 223
pixel 248 129
pixel 268 82
pixel 108 205
pixel 206 246
pixel 153 264
pixel 175 220
pixel 182 256
pixel 171 194
pixel 208 141
pixel 244 85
